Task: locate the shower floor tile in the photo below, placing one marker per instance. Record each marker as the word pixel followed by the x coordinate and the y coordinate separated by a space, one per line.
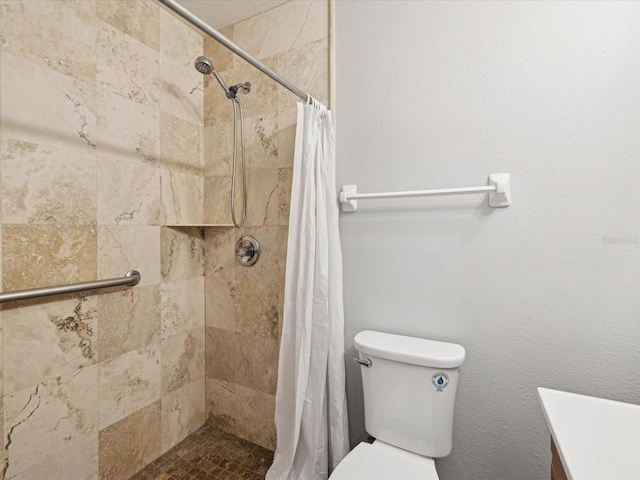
pixel 209 453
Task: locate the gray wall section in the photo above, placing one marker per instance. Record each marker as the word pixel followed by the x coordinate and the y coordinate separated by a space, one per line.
pixel 543 293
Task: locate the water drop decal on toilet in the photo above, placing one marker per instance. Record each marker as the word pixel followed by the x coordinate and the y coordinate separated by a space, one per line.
pixel 440 380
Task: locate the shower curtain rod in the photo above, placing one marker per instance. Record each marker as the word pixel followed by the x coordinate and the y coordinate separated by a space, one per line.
pixel 174 6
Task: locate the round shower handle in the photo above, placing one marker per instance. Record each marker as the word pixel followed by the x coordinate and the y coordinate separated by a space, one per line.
pixel 247 251
pixel 366 362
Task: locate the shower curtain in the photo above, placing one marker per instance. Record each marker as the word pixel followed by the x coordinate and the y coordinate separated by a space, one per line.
pixel 311 406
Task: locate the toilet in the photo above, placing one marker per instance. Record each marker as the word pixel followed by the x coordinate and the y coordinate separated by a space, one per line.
pixel 409 389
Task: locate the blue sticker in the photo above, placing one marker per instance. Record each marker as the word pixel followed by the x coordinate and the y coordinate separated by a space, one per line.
pixel 440 380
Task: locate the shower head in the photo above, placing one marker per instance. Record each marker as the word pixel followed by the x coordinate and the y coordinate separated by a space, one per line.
pixel 203 65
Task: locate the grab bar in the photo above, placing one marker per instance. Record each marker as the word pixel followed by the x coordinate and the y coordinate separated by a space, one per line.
pixel 131 278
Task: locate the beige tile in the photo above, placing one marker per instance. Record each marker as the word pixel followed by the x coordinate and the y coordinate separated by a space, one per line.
pixel 220 404
pixel 1 362
pixel 127 130
pixel 217 200
pixel 262 141
pixel 290 25
pixel 1 237
pixel 257 287
pixel 121 249
pixel 286 137
pixel 130 444
pixel 307 67
pixel 138 18
pixel 181 145
pixel 47 184
pixel 263 99
pixel 2 459
pixel 182 197
pixel 220 294
pixel 218 110
pixel 46 255
pixel 128 193
pixel 287 123
pixel 182 90
pixel 283 239
pixel 182 359
pixel 262 197
pixel 219 54
pixel 128 320
pixel 52 428
pixel 63 116
pixel 128 383
pixel 59 336
pixel 222 353
pixel 285 178
pixel 218 149
pixel 254 416
pixel 220 264
pixel 220 245
pixel 182 306
pixel 57 34
pixel 183 412
pixel 182 253
pixel 257 363
pixel 126 67
pixel 178 42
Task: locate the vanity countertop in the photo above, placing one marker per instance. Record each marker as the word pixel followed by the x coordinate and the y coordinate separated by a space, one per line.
pixel 597 439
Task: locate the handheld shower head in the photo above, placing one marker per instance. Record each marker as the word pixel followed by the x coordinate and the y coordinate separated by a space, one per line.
pixel 203 65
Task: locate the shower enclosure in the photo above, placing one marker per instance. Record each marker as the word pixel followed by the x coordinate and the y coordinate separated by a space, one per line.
pixel 115 157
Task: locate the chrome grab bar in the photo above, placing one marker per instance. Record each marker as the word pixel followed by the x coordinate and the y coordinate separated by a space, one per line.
pixel 366 362
pixel 131 278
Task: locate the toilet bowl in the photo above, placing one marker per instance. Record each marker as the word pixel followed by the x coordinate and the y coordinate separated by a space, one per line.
pixel 409 387
pixel 381 461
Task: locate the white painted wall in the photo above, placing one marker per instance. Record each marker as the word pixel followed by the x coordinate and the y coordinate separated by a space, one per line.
pixel 441 94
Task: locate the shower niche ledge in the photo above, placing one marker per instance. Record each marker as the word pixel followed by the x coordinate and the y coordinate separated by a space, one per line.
pixel 177 225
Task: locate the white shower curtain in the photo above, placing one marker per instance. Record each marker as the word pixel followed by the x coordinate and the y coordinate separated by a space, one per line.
pixel 311 406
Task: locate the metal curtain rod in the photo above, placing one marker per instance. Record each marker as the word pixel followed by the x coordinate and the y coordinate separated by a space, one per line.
pixel 130 278
pixel 498 190
pixel 212 32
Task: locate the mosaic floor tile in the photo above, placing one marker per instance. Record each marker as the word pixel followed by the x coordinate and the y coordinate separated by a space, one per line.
pixel 209 454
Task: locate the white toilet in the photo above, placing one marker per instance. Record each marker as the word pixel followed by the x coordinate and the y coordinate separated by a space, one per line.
pixel 409 395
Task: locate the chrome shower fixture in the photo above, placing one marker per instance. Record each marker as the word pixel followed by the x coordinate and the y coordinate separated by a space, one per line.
pixel 247 250
pixel 205 66
pixel 241 87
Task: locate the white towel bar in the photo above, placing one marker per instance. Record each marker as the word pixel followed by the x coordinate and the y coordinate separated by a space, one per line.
pixel 498 190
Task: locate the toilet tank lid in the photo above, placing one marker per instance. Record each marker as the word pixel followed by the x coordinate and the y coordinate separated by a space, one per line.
pixel 416 351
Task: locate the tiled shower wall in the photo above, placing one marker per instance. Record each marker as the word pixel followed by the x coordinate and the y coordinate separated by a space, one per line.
pixel 101 144
pixel 244 305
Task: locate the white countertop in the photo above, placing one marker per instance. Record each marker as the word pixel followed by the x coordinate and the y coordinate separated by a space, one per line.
pixel 597 439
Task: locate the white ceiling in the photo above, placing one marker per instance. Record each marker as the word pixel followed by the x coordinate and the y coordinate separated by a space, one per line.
pixel 222 13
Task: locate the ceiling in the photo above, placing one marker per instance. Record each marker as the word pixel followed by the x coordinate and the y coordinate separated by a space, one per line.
pixel 222 13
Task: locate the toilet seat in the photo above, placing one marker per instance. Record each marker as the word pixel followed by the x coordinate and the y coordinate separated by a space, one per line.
pixel 381 461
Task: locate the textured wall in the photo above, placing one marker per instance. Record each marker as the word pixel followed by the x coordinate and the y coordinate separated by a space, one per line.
pixel 543 293
pixel 244 305
pixel 102 143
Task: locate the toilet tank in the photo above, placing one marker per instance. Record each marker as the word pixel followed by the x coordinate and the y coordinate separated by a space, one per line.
pixel 410 390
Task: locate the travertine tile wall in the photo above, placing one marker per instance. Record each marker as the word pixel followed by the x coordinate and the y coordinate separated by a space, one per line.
pixel 244 305
pixel 101 144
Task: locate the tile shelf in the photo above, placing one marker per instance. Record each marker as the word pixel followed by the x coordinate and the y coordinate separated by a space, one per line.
pixel 198 225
